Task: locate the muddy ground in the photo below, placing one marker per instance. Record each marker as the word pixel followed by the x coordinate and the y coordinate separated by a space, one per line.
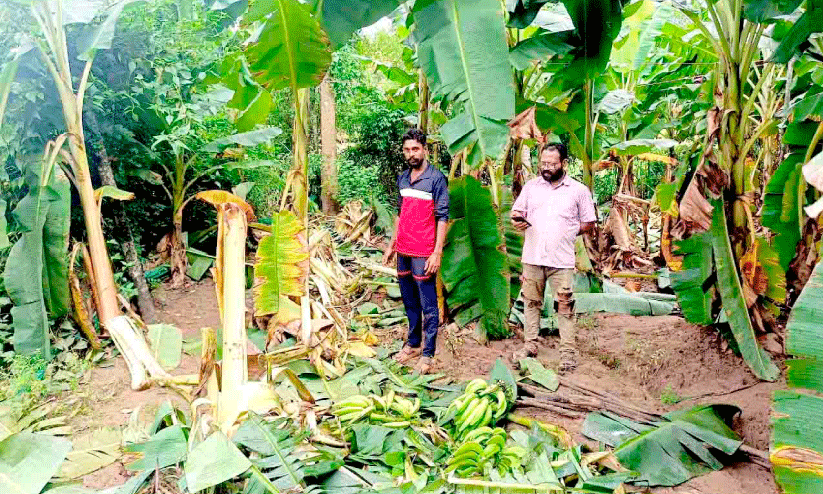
pixel 648 361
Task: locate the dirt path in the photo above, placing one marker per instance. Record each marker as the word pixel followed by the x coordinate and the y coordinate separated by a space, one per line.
pixel 641 359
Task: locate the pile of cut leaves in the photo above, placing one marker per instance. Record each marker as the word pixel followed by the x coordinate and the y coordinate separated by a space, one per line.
pixel 403 438
pixel 377 428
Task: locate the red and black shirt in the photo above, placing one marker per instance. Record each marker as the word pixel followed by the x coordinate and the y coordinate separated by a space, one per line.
pixel 423 203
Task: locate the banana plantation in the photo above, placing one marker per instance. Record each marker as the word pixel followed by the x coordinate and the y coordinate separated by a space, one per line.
pixel 197 197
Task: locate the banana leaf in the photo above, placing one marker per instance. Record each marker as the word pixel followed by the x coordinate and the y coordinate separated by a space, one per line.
pixel 213 462
pixel 279 462
pixel 342 18
pixel 781 211
pixel 693 282
pixel 462 49
pixel 797 431
pixel 28 461
pixel 514 244
pixel 280 268
pixel 7 76
pixel 474 268
pixel 734 303
pixel 685 444
pixel 292 49
pixel 36 275
pixel 91 452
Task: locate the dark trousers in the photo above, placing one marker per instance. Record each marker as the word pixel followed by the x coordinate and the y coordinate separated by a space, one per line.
pixel 419 293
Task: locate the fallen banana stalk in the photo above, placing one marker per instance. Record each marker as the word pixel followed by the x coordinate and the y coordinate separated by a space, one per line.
pixel 571 406
pixel 377 268
pixel 564 410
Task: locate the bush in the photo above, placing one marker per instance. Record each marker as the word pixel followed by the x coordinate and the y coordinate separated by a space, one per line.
pixel 358 182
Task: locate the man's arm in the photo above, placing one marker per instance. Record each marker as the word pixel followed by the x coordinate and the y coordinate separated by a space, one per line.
pixel 390 249
pixel 441 213
pixel 433 262
pixel 519 209
pixel 586 213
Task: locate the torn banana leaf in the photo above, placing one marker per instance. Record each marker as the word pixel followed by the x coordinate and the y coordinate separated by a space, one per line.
pixel 687 443
pixel 28 461
pixel 474 266
pixel 797 431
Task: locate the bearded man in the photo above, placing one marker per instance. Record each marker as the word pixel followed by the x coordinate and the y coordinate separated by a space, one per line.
pixel 552 210
pixel 419 235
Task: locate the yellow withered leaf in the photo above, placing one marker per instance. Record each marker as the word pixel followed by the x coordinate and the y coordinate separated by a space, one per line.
pixel 218 197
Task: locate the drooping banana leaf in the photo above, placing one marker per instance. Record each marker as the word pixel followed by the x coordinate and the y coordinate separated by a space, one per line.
pixel 810 22
pixel 781 210
pixel 292 49
pixel 645 25
pixel 693 282
pixel 462 49
pixel 514 244
pixel 280 269
pixel 36 275
pixel 342 18
pixel 734 303
pixel 797 447
pixel 667 453
pixel 597 23
pixel 474 268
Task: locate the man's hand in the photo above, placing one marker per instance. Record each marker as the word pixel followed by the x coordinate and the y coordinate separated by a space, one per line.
pixel 520 226
pixel 387 255
pixel 586 228
pixel 433 263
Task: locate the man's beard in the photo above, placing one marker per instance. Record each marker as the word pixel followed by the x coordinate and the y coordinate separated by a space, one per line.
pixel 552 177
pixel 414 163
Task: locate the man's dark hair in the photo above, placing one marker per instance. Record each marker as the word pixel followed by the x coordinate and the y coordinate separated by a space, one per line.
pixel 415 135
pixel 561 149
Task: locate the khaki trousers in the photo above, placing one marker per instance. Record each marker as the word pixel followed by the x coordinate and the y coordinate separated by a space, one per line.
pixel 534 286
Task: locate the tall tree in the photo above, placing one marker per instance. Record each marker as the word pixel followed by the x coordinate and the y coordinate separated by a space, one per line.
pixel 328 143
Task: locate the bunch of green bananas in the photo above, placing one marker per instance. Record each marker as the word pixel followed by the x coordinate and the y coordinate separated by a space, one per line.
pixel 482 404
pixel 389 411
pixel 484 448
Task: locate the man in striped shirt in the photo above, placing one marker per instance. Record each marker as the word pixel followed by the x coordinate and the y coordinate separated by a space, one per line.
pixel 419 235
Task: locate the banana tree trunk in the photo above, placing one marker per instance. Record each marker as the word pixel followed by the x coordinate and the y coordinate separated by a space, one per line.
pixel 145 302
pixel 178 260
pixel 423 103
pixel 301 192
pixel 588 143
pixel 328 143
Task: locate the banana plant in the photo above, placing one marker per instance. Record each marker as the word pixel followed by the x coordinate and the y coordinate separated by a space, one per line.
pixel 725 172
pixel 51 17
pixel 36 274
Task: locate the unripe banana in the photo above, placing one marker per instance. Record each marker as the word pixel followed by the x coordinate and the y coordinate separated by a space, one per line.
pixel 469 447
pixel 488 416
pixel 397 425
pixel 475 385
pixel 477 433
pixel 389 398
pixel 475 414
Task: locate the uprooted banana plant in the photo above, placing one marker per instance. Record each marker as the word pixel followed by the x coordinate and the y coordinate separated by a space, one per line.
pixel 69 152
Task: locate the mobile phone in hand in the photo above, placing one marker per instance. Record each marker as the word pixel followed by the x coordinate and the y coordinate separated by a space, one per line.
pixel 520 219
